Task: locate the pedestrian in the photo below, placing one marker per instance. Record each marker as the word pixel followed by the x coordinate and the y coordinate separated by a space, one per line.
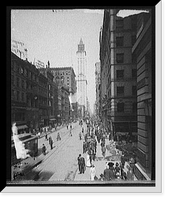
pixel 70 132
pixel 92 172
pixel 82 165
pixel 111 167
pixel 88 163
pixel 46 136
pixel 84 147
pixel 123 174
pixel 130 175
pixel 90 155
pixel 44 149
pixel 95 144
pixel 117 169
pixel 80 136
pixel 78 160
pixel 108 174
pixel 58 137
pixel 85 137
pixel 51 142
pixel 103 151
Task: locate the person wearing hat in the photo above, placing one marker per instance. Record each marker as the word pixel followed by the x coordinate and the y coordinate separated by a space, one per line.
pixel 117 169
pixel 108 173
pixel 111 167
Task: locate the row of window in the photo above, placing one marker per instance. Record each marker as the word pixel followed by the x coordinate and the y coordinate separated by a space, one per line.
pixel 120 90
pixel 120 40
pixel 120 73
pixel 19 116
pixel 18 96
pixel 56 73
pixel 121 107
pixel 21 97
pixel 120 24
pixel 21 70
pixel 120 58
pixel 20 83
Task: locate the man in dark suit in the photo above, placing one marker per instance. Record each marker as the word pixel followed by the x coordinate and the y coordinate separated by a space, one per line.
pixel 79 162
pixel 82 165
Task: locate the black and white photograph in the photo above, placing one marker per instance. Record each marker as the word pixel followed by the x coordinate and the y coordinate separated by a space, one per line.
pixel 83 98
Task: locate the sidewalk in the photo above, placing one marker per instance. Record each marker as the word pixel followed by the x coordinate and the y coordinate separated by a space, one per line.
pixel 99 163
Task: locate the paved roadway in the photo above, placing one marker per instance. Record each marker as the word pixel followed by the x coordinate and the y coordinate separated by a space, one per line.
pixel 60 164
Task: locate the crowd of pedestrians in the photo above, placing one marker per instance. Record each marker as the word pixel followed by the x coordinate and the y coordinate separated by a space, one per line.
pixel 94 135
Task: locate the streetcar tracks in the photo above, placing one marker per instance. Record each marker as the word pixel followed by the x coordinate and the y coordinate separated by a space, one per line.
pixel 57 149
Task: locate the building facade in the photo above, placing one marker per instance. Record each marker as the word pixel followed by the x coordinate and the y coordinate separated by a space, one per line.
pixel 126 69
pixel 118 73
pixel 97 83
pixel 25 93
pixel 18 91
pixel 43 101
pixel 51 95
pixel 66 76
pixel 32 95
pixel 142 53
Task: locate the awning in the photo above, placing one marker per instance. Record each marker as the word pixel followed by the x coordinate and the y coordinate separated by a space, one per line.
pixel 22 127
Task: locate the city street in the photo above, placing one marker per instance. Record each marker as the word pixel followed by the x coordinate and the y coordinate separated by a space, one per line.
pixel 61 162
pixel 94 71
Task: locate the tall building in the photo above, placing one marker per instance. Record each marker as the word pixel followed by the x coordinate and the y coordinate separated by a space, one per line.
pixel 143 55
pixel 29 95
pixel 97 83
pixel 81 75
pixel 118 73
pixel 126 66
pixel 66 76
pixel 51 95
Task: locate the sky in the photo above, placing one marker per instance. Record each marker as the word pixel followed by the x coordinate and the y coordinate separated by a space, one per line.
pixel 54 35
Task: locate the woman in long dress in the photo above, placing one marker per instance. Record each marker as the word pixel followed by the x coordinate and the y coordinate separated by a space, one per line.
pixel 92 172
pixel 21 152
pixel 88 164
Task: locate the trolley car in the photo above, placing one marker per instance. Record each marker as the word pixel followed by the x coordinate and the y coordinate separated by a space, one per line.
pixel 31 143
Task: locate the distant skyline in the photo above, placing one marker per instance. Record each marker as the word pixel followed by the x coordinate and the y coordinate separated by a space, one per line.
pixel 54 36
